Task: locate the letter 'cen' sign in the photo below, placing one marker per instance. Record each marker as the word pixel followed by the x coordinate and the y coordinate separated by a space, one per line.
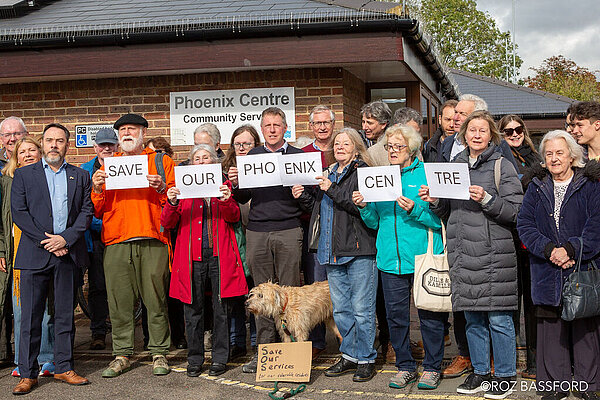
pixel 288 362
pixel 196 181
pixel 258 170
pixel 300 169
pixel 379 183
pixel 448 180
pixel 127 172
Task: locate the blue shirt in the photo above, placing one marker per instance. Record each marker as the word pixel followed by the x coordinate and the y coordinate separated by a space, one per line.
pixel 324 250
pixel 57 186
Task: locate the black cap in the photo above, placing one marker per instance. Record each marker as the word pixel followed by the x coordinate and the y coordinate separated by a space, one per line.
pixel 106 135
pixel 133 119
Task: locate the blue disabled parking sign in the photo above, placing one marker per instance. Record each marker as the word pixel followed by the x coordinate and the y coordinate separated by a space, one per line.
pixel 86 134
pixel 82 140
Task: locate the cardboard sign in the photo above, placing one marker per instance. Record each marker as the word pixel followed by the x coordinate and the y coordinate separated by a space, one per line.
pixel 258 170
pixel 380 183
pixel 289 362
pixel 127 172
pixel 300 169
pixel 198 181
pixel 448 180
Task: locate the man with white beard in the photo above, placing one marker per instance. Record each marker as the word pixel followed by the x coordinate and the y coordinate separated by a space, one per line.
pixel 136 258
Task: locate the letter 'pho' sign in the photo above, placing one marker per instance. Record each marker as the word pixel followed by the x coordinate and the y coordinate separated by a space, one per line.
pixel 127 172
pixel 259 170
pixel 300 169
pixel 379 183
pixel 448 180
pixel 198 181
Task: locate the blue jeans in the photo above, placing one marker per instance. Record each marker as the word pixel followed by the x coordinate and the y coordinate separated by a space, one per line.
pixel 396 292
pixel 499 325
pixel 353 287
pixel 315 272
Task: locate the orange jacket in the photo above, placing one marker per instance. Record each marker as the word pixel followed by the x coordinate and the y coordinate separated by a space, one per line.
pixel 129 213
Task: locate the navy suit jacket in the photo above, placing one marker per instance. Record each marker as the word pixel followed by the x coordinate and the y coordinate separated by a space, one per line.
pixel 32 213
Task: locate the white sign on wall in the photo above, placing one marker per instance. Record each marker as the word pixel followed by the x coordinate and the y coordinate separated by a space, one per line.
pixel 227 109
pixel 448 180
pixel 85 135
pixel 126 172
pixel 379 183
pixel 198 181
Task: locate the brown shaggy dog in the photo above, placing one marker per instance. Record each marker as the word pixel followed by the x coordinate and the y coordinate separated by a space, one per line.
pixel 300 308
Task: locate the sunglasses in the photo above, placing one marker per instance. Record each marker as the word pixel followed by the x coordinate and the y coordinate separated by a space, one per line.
pixel 511 131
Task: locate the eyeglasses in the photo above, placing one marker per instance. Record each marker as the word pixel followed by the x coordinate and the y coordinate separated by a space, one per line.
pixel 394 147
pixel 325 124
pixel 245 145
pixel 18 135
pixel 511 131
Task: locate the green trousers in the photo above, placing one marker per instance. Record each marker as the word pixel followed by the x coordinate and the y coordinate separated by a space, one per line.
pixel 132 270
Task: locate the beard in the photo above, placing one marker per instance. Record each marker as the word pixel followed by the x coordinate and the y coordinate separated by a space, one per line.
pixel 131 146
pixel 54 158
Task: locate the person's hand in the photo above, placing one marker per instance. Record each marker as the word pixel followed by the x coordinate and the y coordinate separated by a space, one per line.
pixel 54 242
pixel 226 192
pixel 172 194
pixel 405 203
pixel 297 190
pixel 2 264
pixel 156 183
pixel 232 175
pixel 477 193
pixel 424 194
pixel 98 180
pixel 61 252
pixel 324 183
pixel 568 264
pixel 358 199
pixel 560 257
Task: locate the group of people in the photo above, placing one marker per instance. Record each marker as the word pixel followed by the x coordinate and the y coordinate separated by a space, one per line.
pixel 530 217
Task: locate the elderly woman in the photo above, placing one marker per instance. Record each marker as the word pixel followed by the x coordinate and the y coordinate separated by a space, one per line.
pixel 560 208
pixel 402 232
pixel 481 254
pixel 206 249
pixel 346 247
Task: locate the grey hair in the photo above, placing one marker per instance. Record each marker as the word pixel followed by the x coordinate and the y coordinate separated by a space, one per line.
pixel 405 114
pixel 377 110
pixel 575 150
pixel 480 104
pixel 321 109
pixel 211 150
pixel 13 118
pixel 211 130
pixel 411 136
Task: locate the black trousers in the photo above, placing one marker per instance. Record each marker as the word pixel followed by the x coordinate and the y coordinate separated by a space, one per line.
pixel 34 292
pixel 194 313
pixel 97 298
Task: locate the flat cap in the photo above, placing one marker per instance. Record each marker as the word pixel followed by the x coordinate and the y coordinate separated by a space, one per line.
pixel 133 119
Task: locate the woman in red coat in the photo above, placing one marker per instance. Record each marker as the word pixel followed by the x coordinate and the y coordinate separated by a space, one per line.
pixel 205 249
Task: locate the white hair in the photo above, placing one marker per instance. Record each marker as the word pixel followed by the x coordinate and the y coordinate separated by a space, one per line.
pixel 211 130
pixel 13 118
pixel 209 149
pixel 575 150
pixel 480 104
pixel 321 109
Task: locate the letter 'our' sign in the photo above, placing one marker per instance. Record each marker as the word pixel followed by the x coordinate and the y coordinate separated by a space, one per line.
pixel 300 169
pixel 127 172
pixel 379 183
pixel 448 180
pixel 259 170
pixel 198 181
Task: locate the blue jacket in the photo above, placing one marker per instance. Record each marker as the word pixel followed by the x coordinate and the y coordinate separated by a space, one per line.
pixel 96 225
pixel 402 236
pixel 579 217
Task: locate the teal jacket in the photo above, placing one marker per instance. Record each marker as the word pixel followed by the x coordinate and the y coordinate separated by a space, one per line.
pixel 402 236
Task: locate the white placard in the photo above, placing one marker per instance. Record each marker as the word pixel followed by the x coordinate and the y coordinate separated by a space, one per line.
pixel 300 169
pixel 380 183
pixel 198 181
pixel 126 172
pixel 448 180
pixel 258 170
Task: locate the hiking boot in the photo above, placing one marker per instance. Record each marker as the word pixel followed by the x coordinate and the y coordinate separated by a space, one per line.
pixel 403 379
pixel 160 365
pixel 429 380
pixel 500 388
pixel 460 365
pixel 473 384
pixel 98 342
pixel 250 366
pixel 116 367
pixel 364 372
pixel 341 367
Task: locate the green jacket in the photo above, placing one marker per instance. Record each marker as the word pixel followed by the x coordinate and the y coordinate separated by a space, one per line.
pixel 402 236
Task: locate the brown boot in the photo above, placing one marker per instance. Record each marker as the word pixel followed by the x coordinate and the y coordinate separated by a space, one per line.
pixel 417 350
pixel 71 378
pixel 25 386
pixel 98 342
pixel 459 366
pixel 390 354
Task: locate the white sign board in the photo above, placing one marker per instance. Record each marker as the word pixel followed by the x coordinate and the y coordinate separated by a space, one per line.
pixel 126 172
pixel 379 183
pixel 85 135
pixel 227 109
pixel 448 180
pixel 198 181
pixel 300 169
pixel 258 170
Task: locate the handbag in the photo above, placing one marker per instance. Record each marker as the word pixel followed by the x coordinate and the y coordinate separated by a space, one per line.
pixel 431 286
pixel 581 291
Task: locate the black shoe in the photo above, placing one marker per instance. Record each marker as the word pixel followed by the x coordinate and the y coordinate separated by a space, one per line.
pixel 555 396
pixel 341 367
pixel 589 396
pixel 237 351
pixel 364 372
pixel 500 388
pixel 217 369
pixel 473 383
pixel 181 344
pixel 98 342
pixel 250 366
pixel 194 371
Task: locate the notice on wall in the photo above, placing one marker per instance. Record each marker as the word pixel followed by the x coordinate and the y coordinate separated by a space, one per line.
pixel 288 362
pixel 198 181
pixel 379 183
pixel 259 170
pixel 127 172
pixel 227 109
pixel 85 135
pixel 448 180
pixel 300 169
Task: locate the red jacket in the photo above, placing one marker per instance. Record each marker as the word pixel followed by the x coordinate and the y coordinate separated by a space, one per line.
pixel 188 212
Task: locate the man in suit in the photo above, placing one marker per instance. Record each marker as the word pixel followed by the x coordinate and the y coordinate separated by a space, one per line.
pixel 51 205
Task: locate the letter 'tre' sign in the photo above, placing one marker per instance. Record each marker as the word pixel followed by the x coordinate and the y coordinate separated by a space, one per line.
pixel 126 172
pixel 448 180
pixel 379 183
pixel 198 181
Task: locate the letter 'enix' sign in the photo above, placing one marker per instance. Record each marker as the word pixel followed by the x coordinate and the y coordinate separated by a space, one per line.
pixel 198 181
pixel 379 183
pixel 448 180
pixel 275 169
pixel 126 172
